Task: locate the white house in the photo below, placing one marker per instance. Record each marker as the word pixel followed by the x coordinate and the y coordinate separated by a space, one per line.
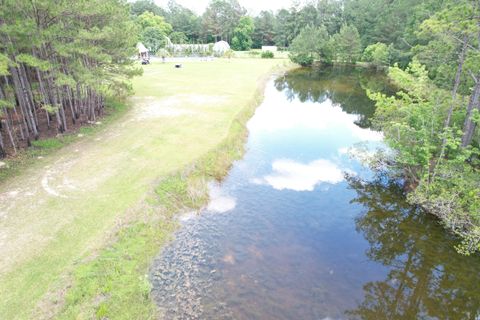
pixel 270 48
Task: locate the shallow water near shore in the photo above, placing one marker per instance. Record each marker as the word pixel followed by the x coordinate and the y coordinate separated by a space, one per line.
pixel 300 229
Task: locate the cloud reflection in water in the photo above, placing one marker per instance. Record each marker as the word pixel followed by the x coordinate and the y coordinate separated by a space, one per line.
pixel 292 175
pixel 219 202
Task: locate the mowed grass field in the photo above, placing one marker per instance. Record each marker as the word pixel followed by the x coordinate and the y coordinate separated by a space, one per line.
pixel 63 217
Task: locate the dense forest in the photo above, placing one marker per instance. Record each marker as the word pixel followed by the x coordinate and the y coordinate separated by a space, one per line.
pixel 60 61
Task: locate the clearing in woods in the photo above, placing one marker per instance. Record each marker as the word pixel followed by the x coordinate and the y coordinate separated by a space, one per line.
pixel 62 209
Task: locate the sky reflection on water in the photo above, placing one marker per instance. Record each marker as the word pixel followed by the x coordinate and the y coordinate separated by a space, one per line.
pixel 301 230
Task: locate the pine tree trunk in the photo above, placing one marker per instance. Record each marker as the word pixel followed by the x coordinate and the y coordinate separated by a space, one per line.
pixel 3 151
pixel 458 75
pixel 9 132
pixel 44 95
pixel 469 125
pixel 456 85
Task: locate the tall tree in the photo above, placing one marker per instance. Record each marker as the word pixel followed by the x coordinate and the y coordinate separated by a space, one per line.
pixel 282 28
pixel 59 61
pixel 264 33
pixel 242 35
pixel 140 6
pixel 184 20
pixel 153 30
pixel 220 19
pixel 347 44
pixel 311 44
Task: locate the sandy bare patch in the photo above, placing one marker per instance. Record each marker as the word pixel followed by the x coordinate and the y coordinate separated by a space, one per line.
pixel 173 106
pixel 55 182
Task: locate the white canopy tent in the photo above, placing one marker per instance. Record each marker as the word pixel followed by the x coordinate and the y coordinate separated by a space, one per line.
pixel 220 48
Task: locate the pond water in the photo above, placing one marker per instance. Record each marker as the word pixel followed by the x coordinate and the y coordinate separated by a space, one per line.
pixel 299 229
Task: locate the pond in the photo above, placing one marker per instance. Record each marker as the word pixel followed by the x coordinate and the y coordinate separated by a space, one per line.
pixel 300 229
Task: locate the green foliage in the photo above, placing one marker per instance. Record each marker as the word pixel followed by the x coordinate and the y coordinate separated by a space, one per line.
pixel 442 36
pixel 377 54
pixel 154 30
pixel 47 144
pixel 347 44
pixel 4 64
pixel 220 19
pixel 445 177
pixel 184 20
pixel 242 34
pixel 390 22
pixel 178 37
pixel 118 276
pixel 303 59
pixel 267 55
pixel 264 33
pixel 33 61
pixel 140 6
pixel 229 54
pixel 311 44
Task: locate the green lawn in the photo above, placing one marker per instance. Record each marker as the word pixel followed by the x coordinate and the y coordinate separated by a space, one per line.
pixel 80 217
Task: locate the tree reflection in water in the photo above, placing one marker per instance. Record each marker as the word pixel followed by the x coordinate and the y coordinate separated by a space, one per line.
pixel 427 278
pixel 345 86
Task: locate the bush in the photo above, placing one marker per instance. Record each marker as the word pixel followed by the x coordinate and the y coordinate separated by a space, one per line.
pixel 303 59
pixel 312 44
pixel 267 55
pixel 377 54
pixel 229 54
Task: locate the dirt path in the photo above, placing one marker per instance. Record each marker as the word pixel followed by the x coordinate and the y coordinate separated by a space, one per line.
pixel 58 211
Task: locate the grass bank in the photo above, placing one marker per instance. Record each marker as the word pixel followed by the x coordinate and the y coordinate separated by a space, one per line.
pixel 115 284
pixel 98 237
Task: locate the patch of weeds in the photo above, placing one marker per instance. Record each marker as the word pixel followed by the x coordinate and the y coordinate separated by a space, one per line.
pixel 180 191
pixel 51 143
pixel 114 285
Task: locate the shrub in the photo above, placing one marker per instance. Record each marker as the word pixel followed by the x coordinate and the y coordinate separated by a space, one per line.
pixel 267 55
pixel 229 54
pixel 377 54
pixel 303 59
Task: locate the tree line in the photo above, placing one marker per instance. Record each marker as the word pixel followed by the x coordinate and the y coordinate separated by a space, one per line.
pixel 432 122
pixel 59 61
pixel 394 24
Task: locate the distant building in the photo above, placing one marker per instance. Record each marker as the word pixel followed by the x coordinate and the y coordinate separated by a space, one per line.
pixel 270 48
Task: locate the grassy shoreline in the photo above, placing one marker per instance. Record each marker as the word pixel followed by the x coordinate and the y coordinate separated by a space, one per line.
pixel 113 284
pixel 129 263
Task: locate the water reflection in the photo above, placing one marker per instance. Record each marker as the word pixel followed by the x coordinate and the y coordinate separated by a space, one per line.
pixel 343 86
pixel 292 175
pixel 427 278
pixel 301 230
